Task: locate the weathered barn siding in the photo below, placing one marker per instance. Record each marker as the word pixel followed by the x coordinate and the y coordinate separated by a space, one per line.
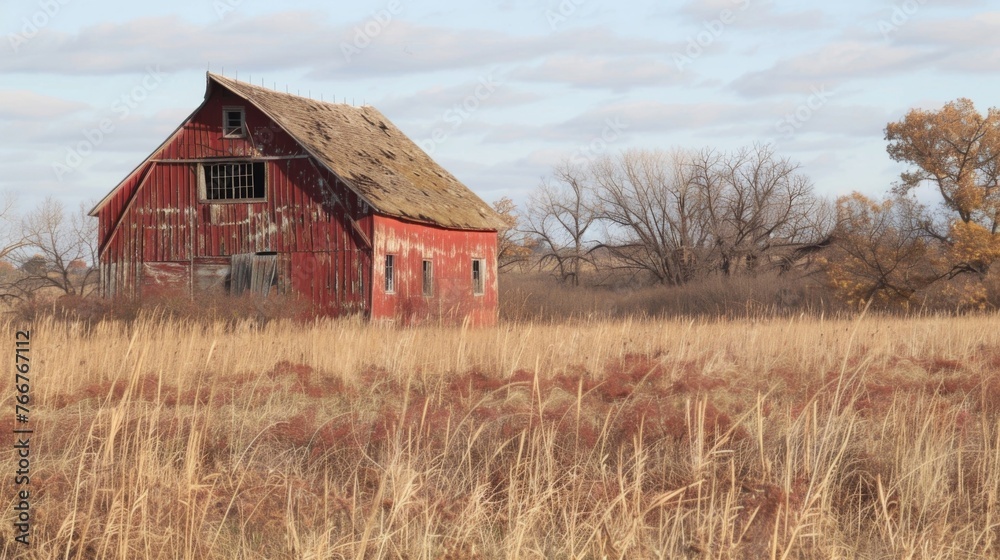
pixel 157 217
pixel 451 252
pixel 344 188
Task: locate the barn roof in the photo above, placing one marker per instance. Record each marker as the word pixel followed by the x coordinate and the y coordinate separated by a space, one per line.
pixel 364 149
pixel 371 156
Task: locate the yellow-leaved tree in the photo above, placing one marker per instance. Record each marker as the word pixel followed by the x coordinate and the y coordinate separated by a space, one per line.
pixel 880 255
pixel 955 151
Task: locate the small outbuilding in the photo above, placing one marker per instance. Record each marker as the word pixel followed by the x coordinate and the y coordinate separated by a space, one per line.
pixel 264 192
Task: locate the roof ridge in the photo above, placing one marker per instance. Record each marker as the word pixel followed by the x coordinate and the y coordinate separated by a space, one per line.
pixel 271 91
pixel 395 175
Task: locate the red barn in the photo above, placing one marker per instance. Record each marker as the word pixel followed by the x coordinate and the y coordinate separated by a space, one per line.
pixel 264 192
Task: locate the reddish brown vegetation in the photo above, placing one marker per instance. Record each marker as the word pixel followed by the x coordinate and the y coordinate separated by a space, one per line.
pixel 707 453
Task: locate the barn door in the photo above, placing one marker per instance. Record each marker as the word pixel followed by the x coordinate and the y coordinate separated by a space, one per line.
pixel 256 273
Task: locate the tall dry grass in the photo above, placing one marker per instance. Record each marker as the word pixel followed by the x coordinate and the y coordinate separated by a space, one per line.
pixel 782 438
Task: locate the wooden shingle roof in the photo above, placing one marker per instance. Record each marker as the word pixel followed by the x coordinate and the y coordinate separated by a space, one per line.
pixel 364 149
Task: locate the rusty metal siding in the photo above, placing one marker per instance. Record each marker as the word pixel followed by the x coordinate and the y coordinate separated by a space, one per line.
pixel 451 252
pixel 157 217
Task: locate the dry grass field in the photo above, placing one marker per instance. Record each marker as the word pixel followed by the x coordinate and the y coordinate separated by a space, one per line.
pixel 776 438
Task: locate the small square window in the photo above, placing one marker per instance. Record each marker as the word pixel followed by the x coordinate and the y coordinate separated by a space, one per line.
pixel 390 274
pixel 478 285
pixel 233 122
pixel 428 278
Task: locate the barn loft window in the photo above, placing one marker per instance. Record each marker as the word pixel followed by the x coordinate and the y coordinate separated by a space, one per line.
pixel 478 286
pixel 390 274
pixel 234 181
pixel 233 122
pixel 428 278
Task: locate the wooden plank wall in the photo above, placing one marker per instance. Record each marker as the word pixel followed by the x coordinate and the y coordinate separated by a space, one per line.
pixel 157 216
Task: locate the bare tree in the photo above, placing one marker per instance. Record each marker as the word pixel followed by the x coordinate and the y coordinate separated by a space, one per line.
pixel 759 208
pixel 514 247
pixel 58 250
pixel 654 213
pixel 560 216
pixel 10 235
pixel 11 241
pixel 677 215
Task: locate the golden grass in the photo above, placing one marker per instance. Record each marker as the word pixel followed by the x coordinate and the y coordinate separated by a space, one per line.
pixel 784 438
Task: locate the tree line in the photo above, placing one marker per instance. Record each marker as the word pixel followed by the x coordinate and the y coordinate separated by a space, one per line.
pixel 673 217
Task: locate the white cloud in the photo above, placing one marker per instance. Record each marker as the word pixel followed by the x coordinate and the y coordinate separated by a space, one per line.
pixel 263 43
pixel 833 64
pixel 636 117
pixel 433 101
pixel 617 74
pixel 754 14
pixel 21 104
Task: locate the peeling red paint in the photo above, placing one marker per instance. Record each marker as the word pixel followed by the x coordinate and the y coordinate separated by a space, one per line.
pixel 158 235
pixel 164 278
pixel 451 252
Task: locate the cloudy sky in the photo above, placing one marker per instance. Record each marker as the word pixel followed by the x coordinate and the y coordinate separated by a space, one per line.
pixel 497 91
